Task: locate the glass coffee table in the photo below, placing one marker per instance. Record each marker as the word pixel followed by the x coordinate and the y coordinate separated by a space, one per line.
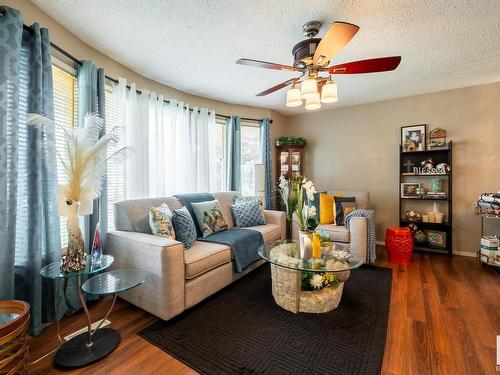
pixel 308 285
pixel 94 344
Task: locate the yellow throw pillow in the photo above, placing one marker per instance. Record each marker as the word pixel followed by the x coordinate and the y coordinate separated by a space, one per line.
pixel 326 209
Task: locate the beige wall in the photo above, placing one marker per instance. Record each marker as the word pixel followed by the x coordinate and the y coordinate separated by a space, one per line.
pixel 356 148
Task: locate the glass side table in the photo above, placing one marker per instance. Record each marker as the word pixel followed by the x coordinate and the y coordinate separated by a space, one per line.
pixel 97 343
pixel 53 271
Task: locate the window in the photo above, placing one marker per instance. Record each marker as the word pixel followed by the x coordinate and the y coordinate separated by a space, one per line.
pixel 116 168
pixel 65 114
pixel 250 155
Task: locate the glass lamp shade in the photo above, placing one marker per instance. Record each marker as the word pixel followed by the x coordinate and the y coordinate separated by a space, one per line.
pixel 293 98
pixel 308 88
pixel 329 93
pixel 313 103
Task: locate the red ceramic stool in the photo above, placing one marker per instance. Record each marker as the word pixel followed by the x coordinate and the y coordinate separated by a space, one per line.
pixel 399 244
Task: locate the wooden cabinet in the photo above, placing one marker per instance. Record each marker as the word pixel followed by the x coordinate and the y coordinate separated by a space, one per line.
pixel 290 163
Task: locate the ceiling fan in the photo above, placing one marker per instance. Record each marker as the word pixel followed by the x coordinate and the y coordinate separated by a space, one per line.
pixel 312 57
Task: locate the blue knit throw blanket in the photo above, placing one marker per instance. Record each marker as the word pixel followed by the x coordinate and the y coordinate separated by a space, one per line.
pixel 244 242
pixel 370 221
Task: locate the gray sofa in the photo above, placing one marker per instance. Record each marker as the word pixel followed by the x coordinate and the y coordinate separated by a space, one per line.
pixel 357 235
pixel 179 278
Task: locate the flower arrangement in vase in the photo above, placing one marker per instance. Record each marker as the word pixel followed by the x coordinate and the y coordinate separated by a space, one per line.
pixel 84 162
pixel 298 195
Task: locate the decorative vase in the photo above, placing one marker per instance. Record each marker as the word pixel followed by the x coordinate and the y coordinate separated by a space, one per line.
pixel 305 238
pixel 438 214
pixel 74 259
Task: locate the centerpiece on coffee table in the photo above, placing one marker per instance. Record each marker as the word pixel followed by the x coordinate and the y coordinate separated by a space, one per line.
pixel 308 285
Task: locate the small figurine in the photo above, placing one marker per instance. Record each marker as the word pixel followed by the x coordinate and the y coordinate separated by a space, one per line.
pixel 413 216
pixel 443 168
pixel 409 166
pixel 427 164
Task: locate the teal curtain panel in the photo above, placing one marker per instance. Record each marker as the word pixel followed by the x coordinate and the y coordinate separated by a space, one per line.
pixel 91 99
pixel 265 136
pixel 233 163
pixel 29 222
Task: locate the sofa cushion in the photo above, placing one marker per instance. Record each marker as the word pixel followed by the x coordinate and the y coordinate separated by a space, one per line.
pixel 247 214
pixel 160 221
pixel 225 199
pixel 133 215
pixel 209 216
pixel 270 232
pixel 205 256
pixel 343 206
pixel 337 233
pixel 185 229
pixel 362 197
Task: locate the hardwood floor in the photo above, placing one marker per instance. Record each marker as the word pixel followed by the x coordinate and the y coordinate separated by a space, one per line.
pixel 444 318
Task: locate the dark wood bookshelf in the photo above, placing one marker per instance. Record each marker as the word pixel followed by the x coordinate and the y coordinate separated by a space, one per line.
pixel 442 155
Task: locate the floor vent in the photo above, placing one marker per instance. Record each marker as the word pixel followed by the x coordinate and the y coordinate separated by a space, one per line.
pixel 94 325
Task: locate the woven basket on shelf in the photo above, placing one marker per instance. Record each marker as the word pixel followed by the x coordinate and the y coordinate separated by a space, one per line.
pixel 14 338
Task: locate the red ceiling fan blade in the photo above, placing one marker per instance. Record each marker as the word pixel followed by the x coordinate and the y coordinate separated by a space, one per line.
pixel 336 38
pixel 277 87
pixel 267 65
pixel 381 64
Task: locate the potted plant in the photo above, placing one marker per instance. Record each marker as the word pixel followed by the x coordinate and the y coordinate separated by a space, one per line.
pixel 298 195
pixel 291 140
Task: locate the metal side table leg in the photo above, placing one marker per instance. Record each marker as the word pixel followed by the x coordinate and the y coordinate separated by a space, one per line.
pixel 88 347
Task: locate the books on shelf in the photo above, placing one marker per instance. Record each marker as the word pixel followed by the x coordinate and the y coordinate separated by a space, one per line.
pixel 436 195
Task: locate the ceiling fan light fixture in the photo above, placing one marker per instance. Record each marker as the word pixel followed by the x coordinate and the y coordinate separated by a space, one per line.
pixel 308 88
pixel 329 92
pixel 293 98
pixel 313 102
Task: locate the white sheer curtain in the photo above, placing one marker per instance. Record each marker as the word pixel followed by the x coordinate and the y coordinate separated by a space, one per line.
pixel 171 151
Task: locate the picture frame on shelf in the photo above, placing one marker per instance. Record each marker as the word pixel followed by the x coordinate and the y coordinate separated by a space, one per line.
pixel 413 138
pixel 410 190
pixel 437 138
pixel 436 238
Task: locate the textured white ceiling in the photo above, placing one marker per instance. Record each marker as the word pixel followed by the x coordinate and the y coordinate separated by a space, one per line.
pixel 193 45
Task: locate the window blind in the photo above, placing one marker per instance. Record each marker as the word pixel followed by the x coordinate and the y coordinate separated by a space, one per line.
pixel 65 114
pixel 116 176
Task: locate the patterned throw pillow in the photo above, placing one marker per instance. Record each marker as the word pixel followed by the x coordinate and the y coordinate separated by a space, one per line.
pixel 343 206
pixel 160 221
pixel 185 230
pixel 209 217
pixel 239 199
pixel 247 214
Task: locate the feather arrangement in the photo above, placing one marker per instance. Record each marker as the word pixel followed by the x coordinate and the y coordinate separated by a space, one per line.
pixel 85 157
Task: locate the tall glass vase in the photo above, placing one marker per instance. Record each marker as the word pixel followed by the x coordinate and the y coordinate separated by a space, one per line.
pixel 74 259
pixel 305 242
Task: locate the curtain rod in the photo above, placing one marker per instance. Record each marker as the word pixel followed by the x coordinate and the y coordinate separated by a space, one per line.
pixel 114 80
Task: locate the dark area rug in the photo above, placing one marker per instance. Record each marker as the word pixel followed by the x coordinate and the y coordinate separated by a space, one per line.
pixel 241 330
